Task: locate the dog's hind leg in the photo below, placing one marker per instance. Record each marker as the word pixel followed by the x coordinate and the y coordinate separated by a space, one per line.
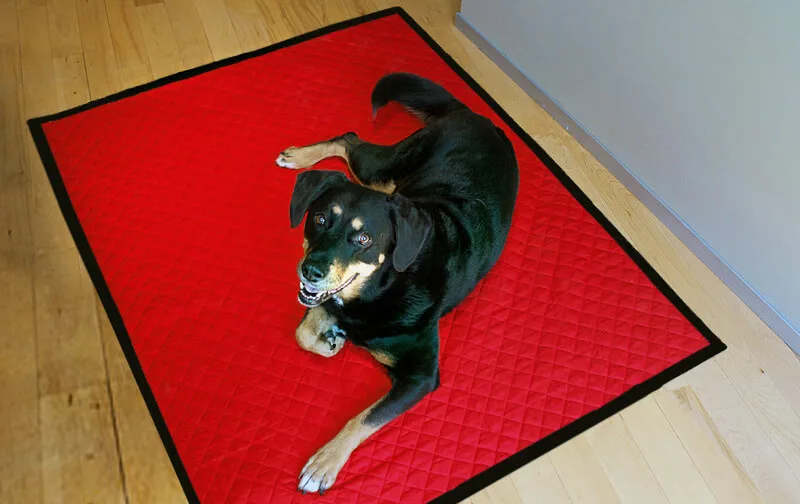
pixel 376 166
pixel 343 146
pixel 362 158
pixel 305 157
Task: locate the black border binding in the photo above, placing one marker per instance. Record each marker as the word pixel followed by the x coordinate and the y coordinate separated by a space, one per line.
pixel 479 481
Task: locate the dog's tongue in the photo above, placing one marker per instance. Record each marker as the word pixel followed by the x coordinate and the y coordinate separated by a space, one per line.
pixel 310 289
pixel 310 297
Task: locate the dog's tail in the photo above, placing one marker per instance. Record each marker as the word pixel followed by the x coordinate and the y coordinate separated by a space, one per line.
pixel 424 98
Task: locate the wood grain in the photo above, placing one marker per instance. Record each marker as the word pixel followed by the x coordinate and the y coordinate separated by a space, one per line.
pixel 539 483
pixel 585 480
pixel 159 40
pixel 662 448
pixel 98 48
pixel 248 23
pixel 20 442
pixel 189 33
pixel 709 451
pixel 218 28
pixel 624 463
pixel 80 462
pixel 69 67
pixel 70 355
pixel 15 222
pixel 148 471
pixel 128 43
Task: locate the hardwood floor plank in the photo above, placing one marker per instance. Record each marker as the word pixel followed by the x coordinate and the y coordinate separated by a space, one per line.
pixel 248 24
pixel 25 4
pixel 20 456
pixel 745 438
pixel 579 468
pixel 665 454
pixel 15 228
pixel 501 492
pixel 218 28
pixel 36 61
pixel 189 33
pixel 159 40
pixel 69 351
pixel 79 453
pixel 98 48
pixel 128 42
pixel 48 229
pixel 69 68
pixel 539 483
pixel 149 474
pixel 708 449
pixel 773 412
pixel 9 34
pixel 623 462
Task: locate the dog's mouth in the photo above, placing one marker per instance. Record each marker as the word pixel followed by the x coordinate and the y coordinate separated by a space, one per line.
pixel 309 296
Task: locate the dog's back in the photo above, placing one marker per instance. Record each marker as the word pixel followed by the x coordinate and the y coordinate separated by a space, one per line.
pixel 468 183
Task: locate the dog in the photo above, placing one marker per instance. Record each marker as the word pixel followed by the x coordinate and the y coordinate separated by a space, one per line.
pixel 388 254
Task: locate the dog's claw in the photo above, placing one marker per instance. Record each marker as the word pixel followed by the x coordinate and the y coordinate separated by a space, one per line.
pixel 334 336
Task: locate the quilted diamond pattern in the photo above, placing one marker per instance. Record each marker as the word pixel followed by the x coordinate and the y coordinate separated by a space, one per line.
pixel 187 217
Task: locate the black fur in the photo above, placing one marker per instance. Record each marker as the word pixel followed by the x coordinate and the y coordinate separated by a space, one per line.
pixel 444 228
pixel 411 231
pixel 308 187
pixel 422 97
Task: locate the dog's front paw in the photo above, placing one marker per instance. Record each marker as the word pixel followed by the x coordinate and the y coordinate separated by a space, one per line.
pixel 328 347
pixel 334 337
pixel 286 159
pixel 321 470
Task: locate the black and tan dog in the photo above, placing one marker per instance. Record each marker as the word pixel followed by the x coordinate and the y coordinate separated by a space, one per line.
pixel 388 256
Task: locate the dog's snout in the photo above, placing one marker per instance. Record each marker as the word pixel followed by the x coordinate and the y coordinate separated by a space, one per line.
pixel 312 272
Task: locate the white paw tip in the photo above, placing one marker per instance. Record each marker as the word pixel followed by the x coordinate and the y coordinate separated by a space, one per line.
pixel 311 485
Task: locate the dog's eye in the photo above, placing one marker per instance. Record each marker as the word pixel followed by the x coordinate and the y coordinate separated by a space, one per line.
pixel 320 219
pixel 364 239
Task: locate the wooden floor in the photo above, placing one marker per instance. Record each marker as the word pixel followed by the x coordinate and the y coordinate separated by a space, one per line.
pixel 73 427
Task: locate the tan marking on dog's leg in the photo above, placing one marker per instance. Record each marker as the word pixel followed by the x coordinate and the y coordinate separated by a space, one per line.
pixel 321 470
pixel 306 157
pixel 309 333
pixel 383 357
pixel 387 187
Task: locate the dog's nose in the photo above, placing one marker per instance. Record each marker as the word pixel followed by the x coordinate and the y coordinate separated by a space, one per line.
pixel 312 273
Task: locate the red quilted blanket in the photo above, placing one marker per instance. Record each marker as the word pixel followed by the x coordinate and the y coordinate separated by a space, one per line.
pixel 182 219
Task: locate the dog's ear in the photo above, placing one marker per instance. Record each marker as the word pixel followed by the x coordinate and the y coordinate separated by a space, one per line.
pixel 412 228
pixel 309 186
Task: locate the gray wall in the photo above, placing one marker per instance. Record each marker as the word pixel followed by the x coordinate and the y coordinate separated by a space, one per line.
pixel 698 100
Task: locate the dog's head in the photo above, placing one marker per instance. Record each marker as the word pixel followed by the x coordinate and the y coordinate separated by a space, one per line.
pixel 350 233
